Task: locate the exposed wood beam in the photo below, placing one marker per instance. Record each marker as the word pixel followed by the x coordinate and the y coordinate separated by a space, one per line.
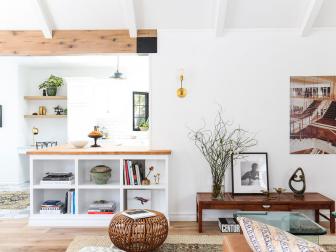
pixel 71 42
pixel 310 16
pixel 129 14
pixel 220 16
pixel 46 24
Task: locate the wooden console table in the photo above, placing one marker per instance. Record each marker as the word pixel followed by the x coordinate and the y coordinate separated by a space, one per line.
pixel 286 202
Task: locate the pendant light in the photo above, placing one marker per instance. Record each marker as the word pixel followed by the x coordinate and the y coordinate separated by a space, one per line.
pixel 117 75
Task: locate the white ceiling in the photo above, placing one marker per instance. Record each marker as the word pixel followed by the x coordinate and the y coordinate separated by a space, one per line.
pixel 163 14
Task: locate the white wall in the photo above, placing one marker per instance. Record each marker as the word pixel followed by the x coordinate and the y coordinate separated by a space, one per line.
pixel 248 74
pixel 11 133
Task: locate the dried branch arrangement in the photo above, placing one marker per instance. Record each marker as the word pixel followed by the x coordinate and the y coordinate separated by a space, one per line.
pixel 218 146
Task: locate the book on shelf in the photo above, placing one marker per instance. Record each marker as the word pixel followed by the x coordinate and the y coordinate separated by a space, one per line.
pixel 138 214
pixel 55 182
pixel 52 207
pixel 228 225
pixel 70 202
pixel 59 178
pixel 134 172
pixel 102 207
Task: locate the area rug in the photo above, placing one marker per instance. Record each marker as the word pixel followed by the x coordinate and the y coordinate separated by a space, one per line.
pixel 179 243
pixel 14 204
pixel 173 243
pixel 14 200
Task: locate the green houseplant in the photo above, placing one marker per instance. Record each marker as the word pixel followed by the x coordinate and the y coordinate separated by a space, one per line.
pixel 218 145
pixel 144 125
pixel 52 84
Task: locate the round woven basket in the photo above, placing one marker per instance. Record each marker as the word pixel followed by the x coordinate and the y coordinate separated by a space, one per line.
pixel 138 235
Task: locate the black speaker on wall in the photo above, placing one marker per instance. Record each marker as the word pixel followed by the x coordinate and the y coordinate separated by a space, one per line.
pixel 146 44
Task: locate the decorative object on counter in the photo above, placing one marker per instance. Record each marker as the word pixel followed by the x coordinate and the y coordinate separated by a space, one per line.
pixel 102 207
pixel 58 110
pixel 250 173
pixel 181 92
pixel 79 143
pixel 52 84
pixel 44 92
pixel 279 191
pixel 146 180
pixel 139 199
pixel 157 178
pixel 42 110
pixel 100 174
pixel 298 177
pixel 35 132
pixel 34 113
pixel 46 144
pixel 218 146
pixel 95 134
pixel 144 125
pixel 138 235
pixel 65 112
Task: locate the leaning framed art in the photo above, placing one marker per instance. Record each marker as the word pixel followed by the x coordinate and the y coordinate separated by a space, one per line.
pixel 250 173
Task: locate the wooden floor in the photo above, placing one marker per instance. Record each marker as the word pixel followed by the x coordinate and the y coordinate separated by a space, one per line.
pixel 16 235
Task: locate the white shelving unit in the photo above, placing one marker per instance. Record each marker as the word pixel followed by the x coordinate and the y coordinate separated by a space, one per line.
pixel 86 191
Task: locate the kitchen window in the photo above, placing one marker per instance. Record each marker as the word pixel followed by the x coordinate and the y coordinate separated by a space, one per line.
pixel 140 109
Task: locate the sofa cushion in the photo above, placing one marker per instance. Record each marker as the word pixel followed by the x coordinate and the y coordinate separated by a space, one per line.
pixel 265 238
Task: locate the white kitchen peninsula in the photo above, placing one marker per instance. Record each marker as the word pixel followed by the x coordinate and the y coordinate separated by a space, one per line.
pixel 79 162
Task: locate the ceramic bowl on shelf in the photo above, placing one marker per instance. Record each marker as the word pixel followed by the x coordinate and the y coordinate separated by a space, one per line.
pixel 79 143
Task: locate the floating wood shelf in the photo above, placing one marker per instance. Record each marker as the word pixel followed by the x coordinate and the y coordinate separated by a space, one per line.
pixel 45 116
pixel 32 98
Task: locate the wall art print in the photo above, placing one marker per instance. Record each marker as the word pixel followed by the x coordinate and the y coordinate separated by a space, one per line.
pixel 313 114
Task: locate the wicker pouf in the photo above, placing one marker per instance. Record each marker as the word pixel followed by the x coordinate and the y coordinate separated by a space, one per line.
pixel 138 235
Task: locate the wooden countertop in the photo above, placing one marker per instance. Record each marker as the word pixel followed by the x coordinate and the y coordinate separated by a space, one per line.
pixel 104 150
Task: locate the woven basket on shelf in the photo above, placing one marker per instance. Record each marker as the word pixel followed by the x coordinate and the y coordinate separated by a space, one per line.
pixel 138 235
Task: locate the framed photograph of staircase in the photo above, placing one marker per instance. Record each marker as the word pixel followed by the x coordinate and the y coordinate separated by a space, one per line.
pixel 313 114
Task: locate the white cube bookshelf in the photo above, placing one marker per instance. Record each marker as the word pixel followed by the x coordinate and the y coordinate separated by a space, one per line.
pixel 86 191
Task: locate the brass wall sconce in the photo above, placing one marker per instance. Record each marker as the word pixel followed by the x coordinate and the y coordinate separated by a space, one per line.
pixel 181 92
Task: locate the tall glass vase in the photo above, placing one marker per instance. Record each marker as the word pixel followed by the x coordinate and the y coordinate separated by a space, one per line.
pixel 218 189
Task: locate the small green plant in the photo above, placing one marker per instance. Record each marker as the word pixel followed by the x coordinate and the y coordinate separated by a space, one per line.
pixel 52 82
pixel 144 124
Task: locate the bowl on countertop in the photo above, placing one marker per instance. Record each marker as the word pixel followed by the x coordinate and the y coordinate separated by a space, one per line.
pixel 79 143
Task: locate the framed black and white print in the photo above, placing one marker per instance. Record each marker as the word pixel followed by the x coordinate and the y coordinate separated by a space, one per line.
pixel 250 173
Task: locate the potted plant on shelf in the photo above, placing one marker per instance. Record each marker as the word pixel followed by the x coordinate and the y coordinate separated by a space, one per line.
pixel 218 146
pixel 52 84
pixel 144 125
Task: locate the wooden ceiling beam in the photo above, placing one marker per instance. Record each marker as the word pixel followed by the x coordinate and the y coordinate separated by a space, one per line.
pixel 310 16
pixel 45 19
pixel 74 42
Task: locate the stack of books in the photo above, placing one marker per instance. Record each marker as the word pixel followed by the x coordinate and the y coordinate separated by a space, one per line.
pixel 102 207
pixel 70 202
pixel 134 172
pixel 52 207
pixel 57 178
pixel 228 225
